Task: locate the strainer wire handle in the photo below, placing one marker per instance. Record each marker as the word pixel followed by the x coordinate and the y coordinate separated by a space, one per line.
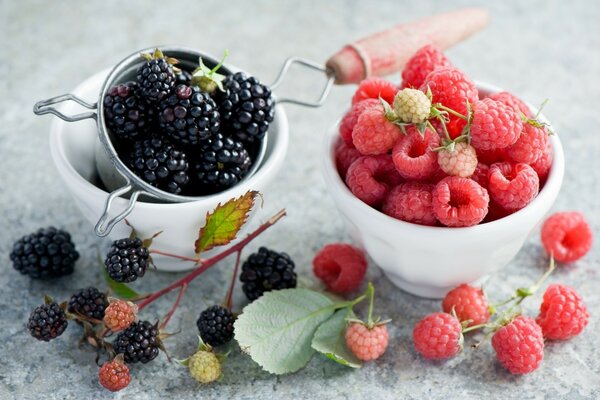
pixel 45 107
pixel 310 65
pixel 106 224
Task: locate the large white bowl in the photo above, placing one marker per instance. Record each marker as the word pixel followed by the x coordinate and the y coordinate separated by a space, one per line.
pixel 429 261
pixel 72 146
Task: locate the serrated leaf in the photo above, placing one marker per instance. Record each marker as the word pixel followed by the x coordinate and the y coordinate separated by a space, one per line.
pixel 277 329
pixel 329 340
pixel 223 224
pixel 121 290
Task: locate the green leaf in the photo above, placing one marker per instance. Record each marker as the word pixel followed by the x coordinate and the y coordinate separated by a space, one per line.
pixel 329 339
pixel 224 223
pixel 120 290
pixel 277 329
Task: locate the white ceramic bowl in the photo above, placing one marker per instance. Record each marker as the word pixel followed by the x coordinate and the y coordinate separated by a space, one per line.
pixel 72 146
pixel 429 261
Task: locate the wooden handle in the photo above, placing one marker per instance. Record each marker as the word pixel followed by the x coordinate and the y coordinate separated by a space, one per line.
pixel 388 51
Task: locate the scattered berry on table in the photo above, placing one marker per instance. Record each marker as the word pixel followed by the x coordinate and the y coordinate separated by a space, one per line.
pixel 512 101
pixel 480 175
pixel 340 266
pixel 460 161
pixel 459 202
pixel 215 325
pixel 366 343
pixel 413 154
pixel 47 322
pixel 562 313
pixel 370 178
pixel 412 106
pixel 47 253
pixel 427 59
pixel 374 133
pixel 204 366
pixel 438 336
pixel 156 76
pixel 349 120
pixel 512 186
pixel 345 155
pixel 114 375
pixel 494 125
pixel 374 88
pixel 567 236
pixel 543 164
pixel 119 315
pixel 519 345
pixel 410 202
pixel 89 303
pixel 127 114
pixel 469 304
pixel 267 270
pixel 127 260
pixel 138 343
pixel 531 144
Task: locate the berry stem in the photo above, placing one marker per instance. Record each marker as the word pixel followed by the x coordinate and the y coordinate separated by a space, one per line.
pixel 229 298
pixel 175 305
pixel 451 111
pixel 474 327
pixel 371 293
pixel 184 258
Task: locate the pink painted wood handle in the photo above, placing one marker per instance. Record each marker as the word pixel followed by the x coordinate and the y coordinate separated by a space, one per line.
pixel 388 51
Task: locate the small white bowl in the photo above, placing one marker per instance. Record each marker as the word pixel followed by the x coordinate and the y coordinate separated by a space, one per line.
pixel 429 261
pixel 72 146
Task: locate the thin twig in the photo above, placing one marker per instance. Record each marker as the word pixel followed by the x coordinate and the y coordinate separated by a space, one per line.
pixel 175 305
pixel 229 297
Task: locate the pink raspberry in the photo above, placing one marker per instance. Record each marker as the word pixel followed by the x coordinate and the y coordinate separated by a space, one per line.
pixel 438 335
pixel 344 157
pixel 461 161
pixel 469 304
pixel 340 266
pixel 459 202
pixel 562 313
pixel 530 146
pixel 370 178
pixel 427 59
pixel 373 133
pixel 413 154
pixel 512 101
pixel 374 88
pixel 543 164
pixel 519 345
pixel 366 343
pixel 567 236
pixel 410 202
pixel 512 186
pixel 349 121
pixel 495 212
pixel 480 175
pixel 494 125
pixel 492 156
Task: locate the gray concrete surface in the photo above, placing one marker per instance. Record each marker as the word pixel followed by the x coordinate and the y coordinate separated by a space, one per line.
pixel 538 49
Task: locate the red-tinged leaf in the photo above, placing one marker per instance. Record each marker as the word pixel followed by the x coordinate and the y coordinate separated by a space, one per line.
pixel 224 223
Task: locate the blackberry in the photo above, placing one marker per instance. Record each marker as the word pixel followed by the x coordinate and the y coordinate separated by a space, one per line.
pixel 267 270
pixel 47 253
pixel 221 163
pixel 127 260
pixel 88 302
pixel 189 115
pixel 215 325
pixel 47 322
pixel 246 107
pixel 156 76
pixel 138 343
pixel 160 164
pixel 126 113
pixel 183 78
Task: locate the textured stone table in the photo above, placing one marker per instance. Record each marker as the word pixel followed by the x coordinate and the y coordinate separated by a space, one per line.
pixel 537 49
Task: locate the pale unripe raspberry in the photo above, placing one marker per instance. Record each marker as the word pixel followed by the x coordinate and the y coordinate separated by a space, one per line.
pixel 119 315
pixel 461 161
pixel 204 366
pixel 412 106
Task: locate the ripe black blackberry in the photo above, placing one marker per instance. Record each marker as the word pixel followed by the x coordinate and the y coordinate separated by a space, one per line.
pixel 183 78
pixel 156 76
pixel 89 302
pixel 267 270
pixel 138 343
pixel 47 253
pixel 126 113
pixel 160 163
pixel 221 163
pixel 47 322
pixel 246 107
pixel 189 115
pixel 215 325
pixel 127 260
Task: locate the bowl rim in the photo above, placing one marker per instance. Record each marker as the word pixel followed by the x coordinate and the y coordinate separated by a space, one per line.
pixel 550 189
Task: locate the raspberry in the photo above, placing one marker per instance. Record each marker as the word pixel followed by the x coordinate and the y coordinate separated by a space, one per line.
pixel 349 121
pixel 512 101
pixel 340 266
pixel 119 315
pixel 519 345
pixel 543 164
pixel 412 106
pixel 492 156
pixel 438 335
pixel 138 343
pixel 156 76
pixel 366 343
pixel 89 303
pixel 427 59
pixel 469 304
pixel 114 375
pixel 374 88
pixel 47 322
pixel 562 313
pixel 215 325
pixel 480 175
pixel 410 202
pixel 461 161
pixel 345 155
pixel 512 186
pixel 494 125
pixel 370 178
pixel 373 133
pixel 495 212
pixel 413 154
pixel 127 260
pixel 204 366
pixel 530 146
pixel 567 236
pixel 267 270
pixel 459 202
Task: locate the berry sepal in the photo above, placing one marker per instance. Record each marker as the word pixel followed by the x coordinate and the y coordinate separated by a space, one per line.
pixel 159 54
pixel 208 79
